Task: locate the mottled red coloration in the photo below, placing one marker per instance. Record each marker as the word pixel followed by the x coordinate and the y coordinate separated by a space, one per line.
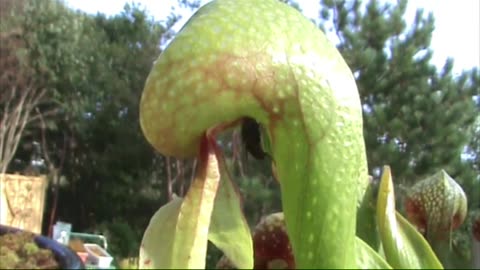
pixel 457 221
pixel 203 152
pixel 271 245
pixel 476 229
pixel 416 214
pixel 436 205
pixel 260 86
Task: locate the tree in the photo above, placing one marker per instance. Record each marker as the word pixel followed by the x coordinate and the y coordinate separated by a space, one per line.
pixel 93 69
pixel 18 100
pixel 417 118
pixel 51 42
pixel 112 169
pixel 20 95
pixel 473 158
pixel 54 51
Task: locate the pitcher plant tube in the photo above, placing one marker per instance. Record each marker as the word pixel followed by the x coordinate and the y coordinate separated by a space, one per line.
pixel 262 60
pixel 437 205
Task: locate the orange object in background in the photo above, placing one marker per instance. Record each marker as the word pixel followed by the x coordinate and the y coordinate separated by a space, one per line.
pixel 77 246
pixel 83 256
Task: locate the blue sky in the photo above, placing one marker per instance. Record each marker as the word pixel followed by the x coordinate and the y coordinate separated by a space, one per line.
pixel 457 32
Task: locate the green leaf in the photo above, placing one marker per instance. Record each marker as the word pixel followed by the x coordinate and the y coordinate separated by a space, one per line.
pixel 366 213
pixel 159 237
pixel 420 246
pixel 229 230
pixel 177 237
pixel 367 258
pixel 404 247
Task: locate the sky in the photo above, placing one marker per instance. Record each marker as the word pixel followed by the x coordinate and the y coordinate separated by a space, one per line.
pixel 456 34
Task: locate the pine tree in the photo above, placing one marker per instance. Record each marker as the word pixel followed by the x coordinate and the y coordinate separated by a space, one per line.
pixel 416 116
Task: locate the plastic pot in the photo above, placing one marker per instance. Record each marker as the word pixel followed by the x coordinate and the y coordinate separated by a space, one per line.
pixel 66 257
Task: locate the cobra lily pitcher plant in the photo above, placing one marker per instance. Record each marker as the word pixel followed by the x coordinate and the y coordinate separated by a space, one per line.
pixel 263 60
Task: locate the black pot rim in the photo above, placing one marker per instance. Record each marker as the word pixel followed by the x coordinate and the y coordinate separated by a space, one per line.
pixel 67 258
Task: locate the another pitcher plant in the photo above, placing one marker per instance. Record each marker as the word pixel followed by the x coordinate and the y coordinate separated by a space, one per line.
pixel 262 60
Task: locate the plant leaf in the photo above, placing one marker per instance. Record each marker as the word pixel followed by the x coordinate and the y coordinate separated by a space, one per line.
pixel 229 230
pixel 422 249
pixel 159 237
pixel 404 247
pixel 177 236
pixel 367 258
pixel 366 210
